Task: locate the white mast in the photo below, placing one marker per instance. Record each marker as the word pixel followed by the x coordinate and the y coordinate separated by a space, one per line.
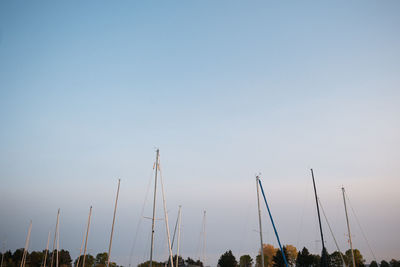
pixel 80 251
pixel 26 245
pixel 179 237
pixel 47 249
pixel 348 228
pixel 112 228
pixel 54 242
pixel 86 239
pixel 259 220
pixel 204 239
pixel 154 209
pixel 166 221
pixel 58 241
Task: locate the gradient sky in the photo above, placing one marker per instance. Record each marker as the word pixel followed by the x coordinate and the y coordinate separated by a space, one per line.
pixel 225 89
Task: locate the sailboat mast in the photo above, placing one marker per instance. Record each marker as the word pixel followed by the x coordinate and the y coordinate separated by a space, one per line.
pixel 319 217
pixel 46 251
pixel 55 239
pixel 154 209
pixel 87 234
pixel 26 245
pixel 259 221
pixel 179 236
pixel 204 239
pixel 348 227
pixel 112 227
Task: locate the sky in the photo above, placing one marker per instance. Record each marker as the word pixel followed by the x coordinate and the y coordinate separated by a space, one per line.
pixel 226 90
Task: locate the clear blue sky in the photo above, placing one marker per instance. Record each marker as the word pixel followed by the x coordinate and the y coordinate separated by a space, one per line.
pixel 225 89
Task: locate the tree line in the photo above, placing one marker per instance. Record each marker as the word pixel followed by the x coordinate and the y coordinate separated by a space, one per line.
pixel 273 258
pixel 36 259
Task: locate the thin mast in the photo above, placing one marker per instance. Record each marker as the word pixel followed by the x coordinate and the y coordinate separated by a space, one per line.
pixel 204 239
pixel 47 249
pixel 58 241
pixel 179 236
pixel 26 245
pixel 154 209
pixel 55 238
pixel 176 227
pixel 80 251
pixel 348 228
pixel 273 224
pixel 323 258
pixel 166 221
pixel 86 239
pixel 112 228
pixel 259 220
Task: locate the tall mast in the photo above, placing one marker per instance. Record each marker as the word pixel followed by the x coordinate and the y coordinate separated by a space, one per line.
pixel 204 239
pixel 323 255
pixel 348 228
pixel 80 251
pixel 86 239
pixel 58 240
pixel 55 239
pixel 26 245
pixel 154 209
pixel 112 227
pixel 47 249
pixel 273 224
pixel 179 236
pixel 259 221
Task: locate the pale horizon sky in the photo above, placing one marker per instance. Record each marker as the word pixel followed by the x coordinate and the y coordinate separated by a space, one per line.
pixel 226 90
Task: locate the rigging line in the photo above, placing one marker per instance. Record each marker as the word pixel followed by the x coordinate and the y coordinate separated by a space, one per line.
pixel 141 217
pixel 273 224
pixel 330 229
pixel 173 236
pixel 198 250
pixel 359 225
pixel 300 231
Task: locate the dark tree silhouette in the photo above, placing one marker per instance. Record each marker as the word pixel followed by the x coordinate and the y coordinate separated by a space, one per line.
pixel 227 260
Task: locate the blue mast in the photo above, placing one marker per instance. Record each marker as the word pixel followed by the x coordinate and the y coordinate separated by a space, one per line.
pixel 273 224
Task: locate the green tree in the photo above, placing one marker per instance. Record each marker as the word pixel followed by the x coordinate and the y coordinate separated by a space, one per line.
pixel 373 264
pixel 304 258
pixel 89 261
pixel 316 260
pixel 278 260
pixel 17 256
pixel 189 261
pixel 227 260
pixel 394 263
pixel 357 256
pixel 35 259
pixel 245 261
pixel 384 264
pixel 101 259
pixel 335 259
pixel 65 259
